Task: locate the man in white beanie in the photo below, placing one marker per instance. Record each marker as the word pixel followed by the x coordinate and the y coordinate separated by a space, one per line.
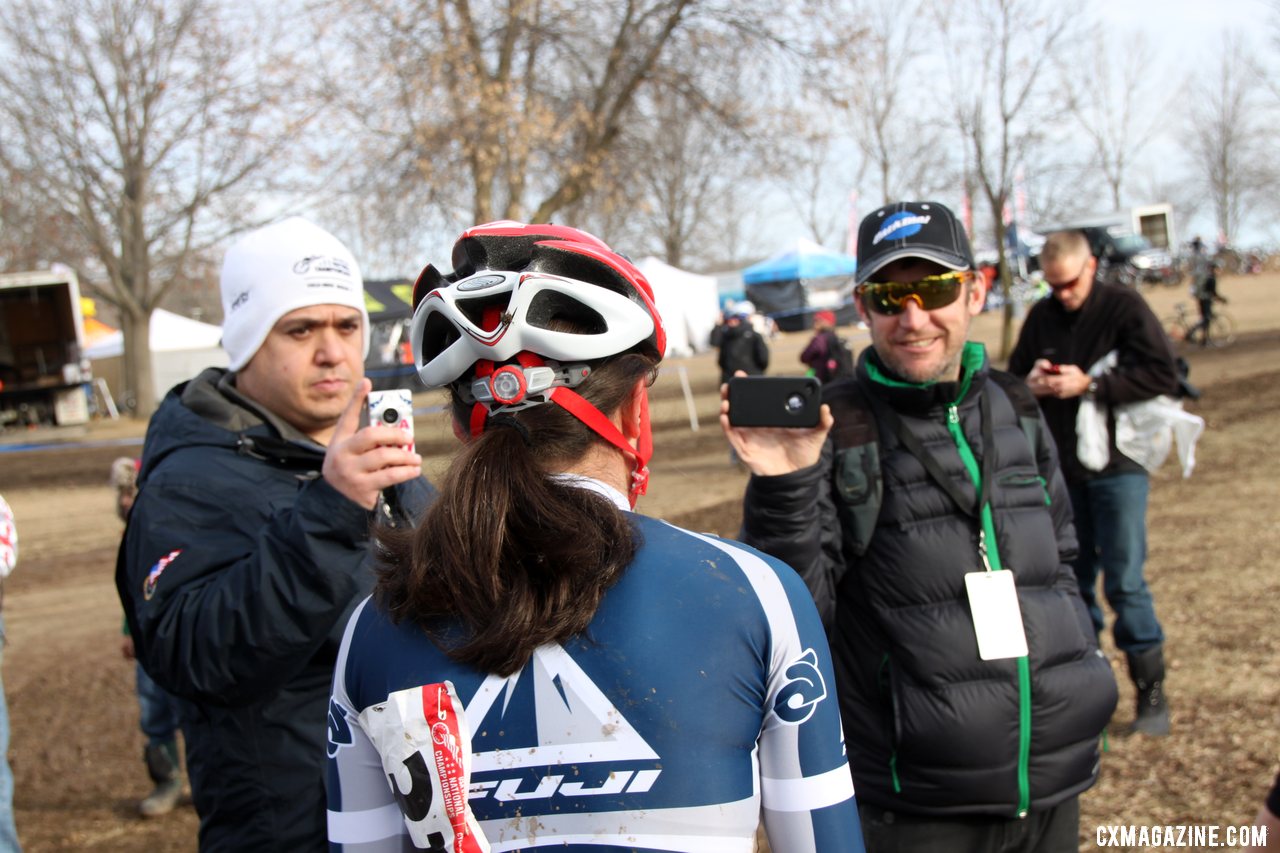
pixel 247 546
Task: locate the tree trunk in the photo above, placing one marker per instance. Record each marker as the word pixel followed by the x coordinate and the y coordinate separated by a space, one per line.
pixel 139 392
pixel 1006 287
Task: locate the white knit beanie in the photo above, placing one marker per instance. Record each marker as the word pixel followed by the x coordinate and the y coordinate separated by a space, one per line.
pixel 280 268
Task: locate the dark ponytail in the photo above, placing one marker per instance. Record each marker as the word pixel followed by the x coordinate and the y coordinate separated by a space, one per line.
pixel 512 556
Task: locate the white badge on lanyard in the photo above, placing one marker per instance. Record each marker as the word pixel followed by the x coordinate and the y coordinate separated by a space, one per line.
pixel 997 619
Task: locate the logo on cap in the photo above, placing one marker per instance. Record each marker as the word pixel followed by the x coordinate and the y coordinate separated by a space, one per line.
pixel 900 226
pixel 322 264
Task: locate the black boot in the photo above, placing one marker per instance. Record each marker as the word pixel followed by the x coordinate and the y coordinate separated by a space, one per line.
pixel 1146 668
pixel 162 767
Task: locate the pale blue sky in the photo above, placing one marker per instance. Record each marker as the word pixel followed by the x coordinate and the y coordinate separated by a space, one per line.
pixel 1187 37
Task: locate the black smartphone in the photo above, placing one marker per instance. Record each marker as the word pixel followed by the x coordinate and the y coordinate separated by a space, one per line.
pixel 774 401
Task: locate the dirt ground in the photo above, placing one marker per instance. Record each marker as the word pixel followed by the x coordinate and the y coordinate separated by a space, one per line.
pixel 76 749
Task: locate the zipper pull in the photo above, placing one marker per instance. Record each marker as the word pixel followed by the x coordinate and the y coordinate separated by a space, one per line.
pixel 953 414
pixel 982 549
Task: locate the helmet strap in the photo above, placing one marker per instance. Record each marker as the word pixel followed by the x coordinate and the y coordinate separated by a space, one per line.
pixel 576 405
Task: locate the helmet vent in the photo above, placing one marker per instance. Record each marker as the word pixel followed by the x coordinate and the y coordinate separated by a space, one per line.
pixel 438 335
pixel 557 311
pixel 474 309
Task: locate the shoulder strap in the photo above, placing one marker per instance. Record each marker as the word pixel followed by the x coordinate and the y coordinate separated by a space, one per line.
pixel 856 470
pixel 1024 405
pixel 856 466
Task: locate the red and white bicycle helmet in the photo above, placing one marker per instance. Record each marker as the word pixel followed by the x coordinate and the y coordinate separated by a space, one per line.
pixel 488 327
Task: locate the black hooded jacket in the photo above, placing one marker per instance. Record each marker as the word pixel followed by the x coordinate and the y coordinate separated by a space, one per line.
pixel 237 573
pixel 930 727
pixel 1111 318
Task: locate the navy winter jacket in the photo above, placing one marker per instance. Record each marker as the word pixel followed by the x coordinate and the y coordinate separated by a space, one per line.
pixel 239 568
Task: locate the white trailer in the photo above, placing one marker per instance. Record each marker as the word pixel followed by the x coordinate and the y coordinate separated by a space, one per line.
pixel 43 371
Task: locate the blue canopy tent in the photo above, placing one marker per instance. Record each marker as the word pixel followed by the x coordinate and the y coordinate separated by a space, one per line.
pixel 799 280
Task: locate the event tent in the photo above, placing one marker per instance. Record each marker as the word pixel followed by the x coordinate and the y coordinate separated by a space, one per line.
pixel 688 302
pixel 803 260
pixel 180 348
pixel 789 285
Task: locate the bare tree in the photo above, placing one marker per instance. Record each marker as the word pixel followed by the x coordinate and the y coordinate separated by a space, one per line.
pixel 1229 138
pixel 514 108
pixel 903 147
pixel 998 57
pixel 145 123
pixel 813 179
pixel 1113 104
pixel 33 233
pixel 693 142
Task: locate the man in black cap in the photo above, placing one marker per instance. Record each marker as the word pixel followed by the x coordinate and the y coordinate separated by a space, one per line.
pixel 927 514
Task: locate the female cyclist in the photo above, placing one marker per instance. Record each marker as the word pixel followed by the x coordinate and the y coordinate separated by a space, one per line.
pixel 539 666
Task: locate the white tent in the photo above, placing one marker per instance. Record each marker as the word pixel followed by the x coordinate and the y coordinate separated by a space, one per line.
pixel 180 348
pixel 689 304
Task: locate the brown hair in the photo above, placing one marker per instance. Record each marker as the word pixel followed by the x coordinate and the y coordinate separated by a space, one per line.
pixel 515 557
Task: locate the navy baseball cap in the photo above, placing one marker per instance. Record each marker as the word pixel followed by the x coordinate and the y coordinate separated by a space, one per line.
pixel 911 229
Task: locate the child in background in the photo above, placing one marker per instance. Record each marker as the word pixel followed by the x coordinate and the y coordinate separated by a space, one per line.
pixel 159 710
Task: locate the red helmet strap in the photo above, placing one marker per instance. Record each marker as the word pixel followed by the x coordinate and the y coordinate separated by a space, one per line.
pixel 576 405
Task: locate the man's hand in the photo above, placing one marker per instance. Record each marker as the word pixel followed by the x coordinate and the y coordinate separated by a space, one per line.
pixel 770 451
pixel 360 463
pixel 1062 381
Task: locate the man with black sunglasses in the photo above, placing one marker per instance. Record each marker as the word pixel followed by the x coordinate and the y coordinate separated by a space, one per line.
pixel 1060 349
pixel 929 518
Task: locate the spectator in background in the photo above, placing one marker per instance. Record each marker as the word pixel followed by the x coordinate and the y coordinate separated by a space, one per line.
pixel 741 346
pixel 8 559
pixel 826 355
pixel 248 545
pixel 1204 287
pixel 1060 353
pixel 158 711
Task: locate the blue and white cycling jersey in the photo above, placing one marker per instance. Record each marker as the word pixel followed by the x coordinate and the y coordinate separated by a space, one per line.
pixel 701 695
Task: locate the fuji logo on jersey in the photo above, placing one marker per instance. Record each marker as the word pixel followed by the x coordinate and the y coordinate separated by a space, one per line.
pixel 900 226
pixel 608 754
pixel 805 688
pixel 149 585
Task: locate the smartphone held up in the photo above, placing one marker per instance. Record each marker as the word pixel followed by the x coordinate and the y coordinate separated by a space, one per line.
pixel 774 401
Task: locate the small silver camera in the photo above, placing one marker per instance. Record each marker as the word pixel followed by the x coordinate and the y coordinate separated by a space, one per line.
pixel 393 408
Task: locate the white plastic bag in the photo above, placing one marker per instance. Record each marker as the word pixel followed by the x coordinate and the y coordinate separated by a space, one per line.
pixel 1147 430
pixel 1093 439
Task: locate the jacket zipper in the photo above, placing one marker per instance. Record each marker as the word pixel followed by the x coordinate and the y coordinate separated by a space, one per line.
pixel 990 554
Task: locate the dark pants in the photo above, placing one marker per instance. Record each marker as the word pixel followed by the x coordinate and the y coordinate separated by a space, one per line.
pixel 159 710
pixel 1206 315
pixel 1111 524
pixel 1054 831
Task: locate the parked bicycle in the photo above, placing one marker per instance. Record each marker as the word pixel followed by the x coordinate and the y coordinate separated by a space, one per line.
pixel 1185 325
